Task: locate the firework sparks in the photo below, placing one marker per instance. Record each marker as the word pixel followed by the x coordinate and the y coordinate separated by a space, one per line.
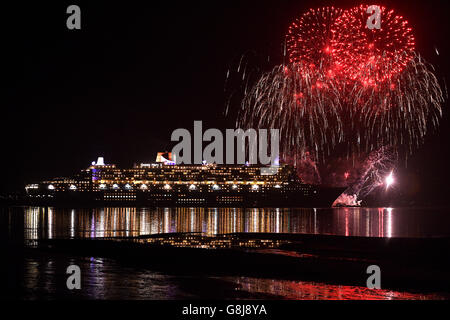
pixel 299 100
pixel 309 38
pixel 389 181
pixel 373 176
pixel 385 52
pixel 398 112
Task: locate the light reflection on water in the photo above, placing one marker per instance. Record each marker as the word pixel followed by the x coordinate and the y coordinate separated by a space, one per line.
pixel 41 222
pixel 45 278
pixel 301 290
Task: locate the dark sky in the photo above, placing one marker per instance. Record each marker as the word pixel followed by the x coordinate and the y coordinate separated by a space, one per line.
pixel 135 72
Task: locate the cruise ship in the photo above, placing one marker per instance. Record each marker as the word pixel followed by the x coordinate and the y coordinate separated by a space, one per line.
pixel 165 184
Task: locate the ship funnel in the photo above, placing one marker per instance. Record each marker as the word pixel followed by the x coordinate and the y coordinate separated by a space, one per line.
pixel 100 161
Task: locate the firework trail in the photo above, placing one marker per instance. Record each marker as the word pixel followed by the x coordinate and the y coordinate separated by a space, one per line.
pixel 398 112
pixel 377 166
pixel 302 102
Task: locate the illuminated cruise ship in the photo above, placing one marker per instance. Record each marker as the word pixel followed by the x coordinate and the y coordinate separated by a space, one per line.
pixel 163 183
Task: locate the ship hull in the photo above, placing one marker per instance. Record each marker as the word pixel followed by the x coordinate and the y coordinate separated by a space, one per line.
pixel 318 197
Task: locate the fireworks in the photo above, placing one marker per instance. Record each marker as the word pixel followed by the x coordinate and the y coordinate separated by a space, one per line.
pixel 350 86
pixel 371 55
pixel 309 38
pixel 341 41
pixel 398 112
pixel 301 102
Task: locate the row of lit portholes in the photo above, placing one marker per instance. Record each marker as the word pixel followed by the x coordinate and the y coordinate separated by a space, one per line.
pixel 145 187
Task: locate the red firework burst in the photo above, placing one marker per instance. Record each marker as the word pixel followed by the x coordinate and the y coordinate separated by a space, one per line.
pixel 309 38
pixel 371 55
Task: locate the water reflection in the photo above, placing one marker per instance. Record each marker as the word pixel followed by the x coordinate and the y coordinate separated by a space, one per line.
pixel 43 222
pixel 301 290
pixel 45 278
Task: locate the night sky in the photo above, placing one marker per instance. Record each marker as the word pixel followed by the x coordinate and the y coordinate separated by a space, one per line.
pixel 135 72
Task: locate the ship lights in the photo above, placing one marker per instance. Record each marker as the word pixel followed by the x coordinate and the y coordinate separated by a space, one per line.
pixel 73 187
pixel 216 187
pixel 192 187
pixel 103 186
pixel 167 187
pixel 255 187
pixel 234 186
pixel 144 187
pixel 277 186
pixel 127 186
pixel 115 186
pixel 51 187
